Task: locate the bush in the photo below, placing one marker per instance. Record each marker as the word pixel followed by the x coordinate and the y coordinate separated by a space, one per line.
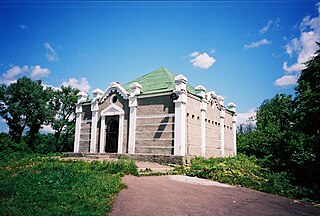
pixel 246 171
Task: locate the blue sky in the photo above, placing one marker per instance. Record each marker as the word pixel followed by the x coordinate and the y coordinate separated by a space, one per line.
pixel 246 51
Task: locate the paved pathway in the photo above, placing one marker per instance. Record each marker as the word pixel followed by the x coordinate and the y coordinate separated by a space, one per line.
pixel 182 195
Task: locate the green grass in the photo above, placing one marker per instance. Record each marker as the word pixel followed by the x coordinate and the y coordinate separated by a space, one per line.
pixel 244 171
pixel 33 184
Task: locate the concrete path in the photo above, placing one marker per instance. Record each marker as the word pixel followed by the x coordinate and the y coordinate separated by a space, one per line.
pixel 182 195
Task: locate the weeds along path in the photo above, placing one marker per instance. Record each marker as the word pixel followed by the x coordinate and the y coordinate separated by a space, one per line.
pixel 182 195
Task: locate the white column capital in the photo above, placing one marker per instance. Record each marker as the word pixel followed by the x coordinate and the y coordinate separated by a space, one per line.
pixel 232 107
pixel 221 100
pixel 135 89
pixel 82 97
pixel 201 91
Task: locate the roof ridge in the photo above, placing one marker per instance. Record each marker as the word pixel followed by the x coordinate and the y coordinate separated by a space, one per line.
pixel 167 72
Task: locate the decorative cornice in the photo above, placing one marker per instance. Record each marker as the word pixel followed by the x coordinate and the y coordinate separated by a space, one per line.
pixel 114 87
pixel 112 110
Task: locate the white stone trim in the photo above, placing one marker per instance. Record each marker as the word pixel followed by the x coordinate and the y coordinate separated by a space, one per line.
pixel 112 110
pixel 158 131
pixel 155 95
pixel 132 129
pixel 86 121
pixel 234 130
pixel 169 123
pixel 120 134
pixel 157 139
pixel 156 116
pixel 180 115
pixel 77 132
pixel 102 134
pixel 93 140
pixel 222 116
pixel 114 87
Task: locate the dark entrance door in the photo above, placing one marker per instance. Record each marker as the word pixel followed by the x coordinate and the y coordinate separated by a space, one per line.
pixel 112 135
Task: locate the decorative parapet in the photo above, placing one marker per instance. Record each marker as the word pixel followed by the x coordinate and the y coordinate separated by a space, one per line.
pixel 181 89
pixel 221 100
pixel 82 97
pixel 232 107
pixel 97 94
pixel 181 83
pixel 135 89
pixel 211 94
pixel 114 86
pixel 201 91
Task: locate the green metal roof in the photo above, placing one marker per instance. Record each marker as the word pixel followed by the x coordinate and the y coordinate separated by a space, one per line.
pixel 160 80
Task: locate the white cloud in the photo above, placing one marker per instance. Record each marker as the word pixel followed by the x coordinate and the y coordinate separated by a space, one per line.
pixel 287 80
pixel 23 27
pixel 304 46
pixel 194 54
pixel 51 54
pixel 45 86
pixel 10 76
pixel 264 29
pixel 243 117
pixel 270 23
pixel 203 61
pixel 46 129
pixel 82 84
pixel 39 72
pixel 257 44
pixel 12 72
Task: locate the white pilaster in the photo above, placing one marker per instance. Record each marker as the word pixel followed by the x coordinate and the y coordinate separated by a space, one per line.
pixel 82 97
pixel 201 91
pixel 222 116
pixel 180 115
pixel 102 134
pixel 132 129
pixel 234 131
pixel 133 102
pixel 232 107
pixel 97 93
pixel 77 132
pixel 120 134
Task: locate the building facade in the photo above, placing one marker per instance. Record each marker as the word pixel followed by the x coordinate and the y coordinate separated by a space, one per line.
pixel 158 113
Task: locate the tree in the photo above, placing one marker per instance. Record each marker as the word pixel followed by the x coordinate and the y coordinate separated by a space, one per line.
pixel 307 114
pixel 24 105
pixel 271 139
pixel 63 122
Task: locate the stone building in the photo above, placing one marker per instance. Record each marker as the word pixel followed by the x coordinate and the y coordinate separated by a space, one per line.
pixel 158 113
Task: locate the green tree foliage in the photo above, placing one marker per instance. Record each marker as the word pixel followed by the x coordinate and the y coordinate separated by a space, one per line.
pixel 270 141
pixel 24 105
pixel 63 105
pixel 307 114
pixel 287 134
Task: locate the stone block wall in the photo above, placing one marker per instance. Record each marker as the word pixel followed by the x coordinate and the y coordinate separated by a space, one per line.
pixel 155 126
pixel 193 130
pixel 228 134
pixel 213 139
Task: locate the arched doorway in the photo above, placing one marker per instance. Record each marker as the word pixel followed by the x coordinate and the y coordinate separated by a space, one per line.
pixel 112 136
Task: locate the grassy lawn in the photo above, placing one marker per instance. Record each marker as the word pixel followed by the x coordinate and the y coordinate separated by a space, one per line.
pixel 33 184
